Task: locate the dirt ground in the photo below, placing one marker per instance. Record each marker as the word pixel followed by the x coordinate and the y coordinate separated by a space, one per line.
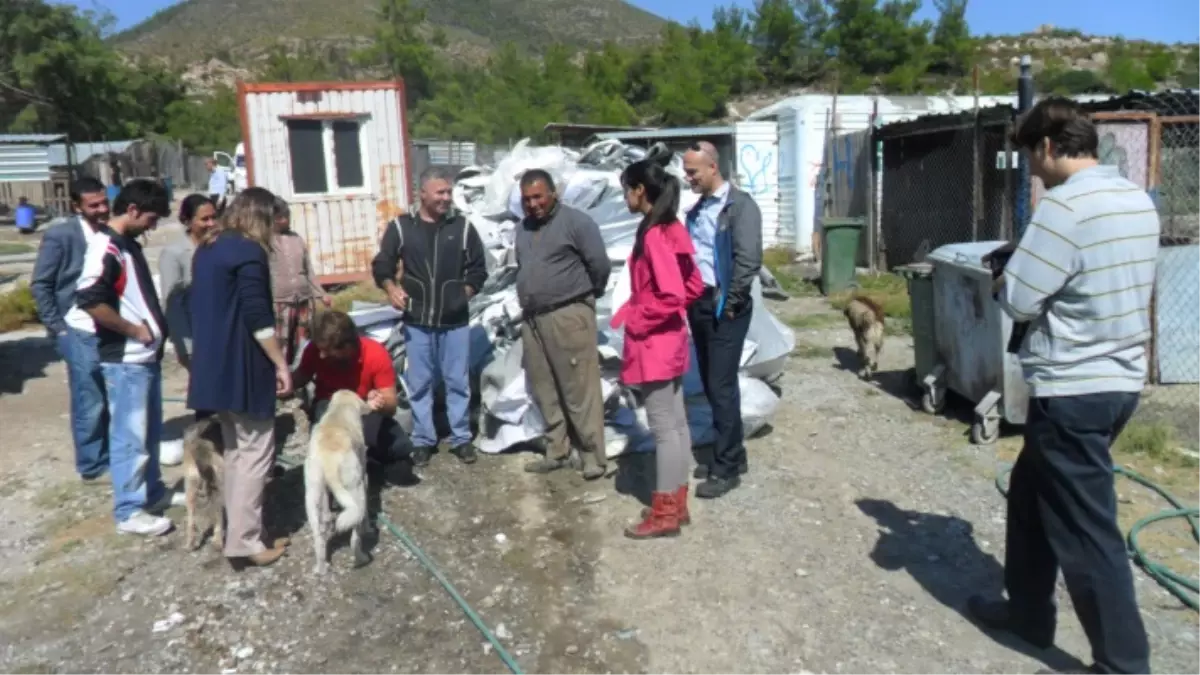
pixel 858 534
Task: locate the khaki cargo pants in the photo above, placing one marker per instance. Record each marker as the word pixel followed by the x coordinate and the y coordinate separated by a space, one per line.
pixel 562 368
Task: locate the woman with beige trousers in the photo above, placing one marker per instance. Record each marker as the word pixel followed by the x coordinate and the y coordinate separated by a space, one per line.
pixel 238 366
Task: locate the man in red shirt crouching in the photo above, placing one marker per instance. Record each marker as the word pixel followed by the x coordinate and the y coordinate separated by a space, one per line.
pixel 338 358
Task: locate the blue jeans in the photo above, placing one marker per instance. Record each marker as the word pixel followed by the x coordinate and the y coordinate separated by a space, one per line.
pixel 89 419
pixel 135 408
pixel 435 354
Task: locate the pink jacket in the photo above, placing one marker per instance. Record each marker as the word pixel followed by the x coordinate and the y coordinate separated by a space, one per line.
pixel 664 281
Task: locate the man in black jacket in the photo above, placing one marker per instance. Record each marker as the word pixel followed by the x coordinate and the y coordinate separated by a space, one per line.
pixel 431 264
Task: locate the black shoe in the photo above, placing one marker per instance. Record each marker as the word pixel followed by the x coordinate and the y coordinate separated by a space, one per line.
pixel 997 615
pixel 701 471
pixel 716 487
pixel 421 455
pixel 92 480
pixel 465 453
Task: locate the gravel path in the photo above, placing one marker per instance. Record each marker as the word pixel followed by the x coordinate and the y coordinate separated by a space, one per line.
pixel 854 541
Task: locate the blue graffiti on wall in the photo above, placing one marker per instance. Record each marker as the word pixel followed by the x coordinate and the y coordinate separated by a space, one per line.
pixel 843 162
pixel 755 168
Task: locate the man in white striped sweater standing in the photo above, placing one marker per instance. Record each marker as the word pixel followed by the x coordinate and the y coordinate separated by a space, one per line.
pixel 1082 277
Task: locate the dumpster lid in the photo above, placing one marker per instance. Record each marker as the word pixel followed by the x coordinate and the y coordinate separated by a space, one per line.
pixel 966 254
pixel 914 270
pixel 832 221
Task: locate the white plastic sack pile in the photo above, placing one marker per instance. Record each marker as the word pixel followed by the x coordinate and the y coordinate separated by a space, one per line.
pixel 589 181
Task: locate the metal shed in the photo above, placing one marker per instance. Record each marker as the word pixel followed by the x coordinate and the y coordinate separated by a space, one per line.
pixel 337 151
pixel 25 158
pixel 31 167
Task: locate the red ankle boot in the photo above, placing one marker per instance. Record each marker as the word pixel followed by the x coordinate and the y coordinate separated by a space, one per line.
pixel 681 505
pixel 662 521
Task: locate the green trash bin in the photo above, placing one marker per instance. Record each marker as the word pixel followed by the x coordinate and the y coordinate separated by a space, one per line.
pixel 839 252
pixel 920 295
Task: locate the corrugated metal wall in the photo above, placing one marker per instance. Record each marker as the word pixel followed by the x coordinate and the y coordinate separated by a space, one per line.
pixel 757 165
pixel 24 162
pixel 342 229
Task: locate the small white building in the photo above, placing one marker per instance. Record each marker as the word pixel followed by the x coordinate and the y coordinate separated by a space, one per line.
pixel 337 152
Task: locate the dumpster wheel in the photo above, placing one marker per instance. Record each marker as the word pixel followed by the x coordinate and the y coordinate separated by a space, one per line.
pixel 985 431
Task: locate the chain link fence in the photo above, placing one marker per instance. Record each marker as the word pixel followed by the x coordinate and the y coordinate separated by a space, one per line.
pixel 1171 404
pixel 945 179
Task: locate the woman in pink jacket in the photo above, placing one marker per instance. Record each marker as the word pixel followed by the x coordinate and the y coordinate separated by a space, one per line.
pixel 665 280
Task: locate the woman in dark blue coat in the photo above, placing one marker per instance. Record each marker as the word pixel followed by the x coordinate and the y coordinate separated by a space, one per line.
pixel 238 368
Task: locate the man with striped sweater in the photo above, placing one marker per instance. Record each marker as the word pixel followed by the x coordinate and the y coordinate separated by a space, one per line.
pixel 1082 277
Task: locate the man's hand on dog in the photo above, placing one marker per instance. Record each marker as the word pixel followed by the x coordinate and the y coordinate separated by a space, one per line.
pixel 375 401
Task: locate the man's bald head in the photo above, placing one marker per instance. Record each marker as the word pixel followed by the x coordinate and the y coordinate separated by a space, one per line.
pixel 701 164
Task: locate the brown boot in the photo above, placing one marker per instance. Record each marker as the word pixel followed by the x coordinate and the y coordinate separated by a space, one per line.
pixel 263 559
pixel 681 503
pixel 663 520
pixel 592 468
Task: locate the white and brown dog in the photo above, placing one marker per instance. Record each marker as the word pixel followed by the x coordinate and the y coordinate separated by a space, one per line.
pixel 204 476
pixel 866 320
pixel 336 464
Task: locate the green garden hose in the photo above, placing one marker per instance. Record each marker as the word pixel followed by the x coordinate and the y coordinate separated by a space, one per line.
pixel 1176 584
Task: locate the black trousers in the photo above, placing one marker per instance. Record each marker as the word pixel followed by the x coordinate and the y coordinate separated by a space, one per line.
pixel 1062 513
pixel 719 354
pixel 386 441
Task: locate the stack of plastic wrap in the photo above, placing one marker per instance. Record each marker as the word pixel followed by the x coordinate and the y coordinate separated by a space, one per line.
pixel 589 181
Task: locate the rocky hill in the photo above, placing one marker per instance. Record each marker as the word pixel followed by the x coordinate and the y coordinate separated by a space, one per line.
pixel 236 32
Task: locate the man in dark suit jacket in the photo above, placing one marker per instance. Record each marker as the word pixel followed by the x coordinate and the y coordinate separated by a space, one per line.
pixel 55 274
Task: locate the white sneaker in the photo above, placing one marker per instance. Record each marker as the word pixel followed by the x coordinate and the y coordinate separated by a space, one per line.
pixel 144 524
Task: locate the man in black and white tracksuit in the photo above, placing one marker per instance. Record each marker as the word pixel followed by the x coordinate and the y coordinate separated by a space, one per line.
pixel 431 264
pixel 115 298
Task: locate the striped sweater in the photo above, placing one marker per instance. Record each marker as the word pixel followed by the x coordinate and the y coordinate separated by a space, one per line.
pixel 1082 276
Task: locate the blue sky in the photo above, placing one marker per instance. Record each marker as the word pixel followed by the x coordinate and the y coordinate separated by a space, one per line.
pixel 1167 20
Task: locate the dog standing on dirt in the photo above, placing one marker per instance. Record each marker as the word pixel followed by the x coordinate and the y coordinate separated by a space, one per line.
pixel 336 464
pixel 204 475
pixel 866 320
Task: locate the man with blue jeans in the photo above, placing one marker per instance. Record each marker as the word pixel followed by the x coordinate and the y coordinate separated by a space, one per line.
pixel 55 274
pixel 726 228
pixel 431 264
pixel 116 292
pixel 1082 277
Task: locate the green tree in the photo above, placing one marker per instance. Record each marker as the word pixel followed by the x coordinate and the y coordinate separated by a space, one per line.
pixel 1188 74
pixel 877 40
pixel 1125 71
pixel 777 35
pixel 1072 82
pixel 401 50
pixel 1160 64
pixel 58 75
pixel 953 49
pixel 205 124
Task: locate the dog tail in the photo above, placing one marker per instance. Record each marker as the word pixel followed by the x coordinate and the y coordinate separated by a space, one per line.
pixel 344 477
pixel 871 305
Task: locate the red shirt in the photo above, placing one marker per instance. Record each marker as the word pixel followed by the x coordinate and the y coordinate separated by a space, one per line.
pixel 372 371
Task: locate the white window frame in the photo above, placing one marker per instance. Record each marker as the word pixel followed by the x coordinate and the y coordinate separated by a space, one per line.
pixel 331 182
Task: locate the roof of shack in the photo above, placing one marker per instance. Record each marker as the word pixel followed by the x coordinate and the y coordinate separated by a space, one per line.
pixel 929 124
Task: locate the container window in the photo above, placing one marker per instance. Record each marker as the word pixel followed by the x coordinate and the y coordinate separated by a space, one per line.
pixel 306 142
pixel 347 154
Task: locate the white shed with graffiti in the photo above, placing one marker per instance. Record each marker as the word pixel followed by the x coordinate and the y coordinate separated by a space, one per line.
pixel 749 157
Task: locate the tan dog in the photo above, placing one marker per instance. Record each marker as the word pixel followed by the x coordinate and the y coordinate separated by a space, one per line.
pixel 866 320
pixel 336 464
pixel 204 475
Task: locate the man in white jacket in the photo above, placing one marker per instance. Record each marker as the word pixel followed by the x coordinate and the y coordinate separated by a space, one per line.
pixel 116 296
